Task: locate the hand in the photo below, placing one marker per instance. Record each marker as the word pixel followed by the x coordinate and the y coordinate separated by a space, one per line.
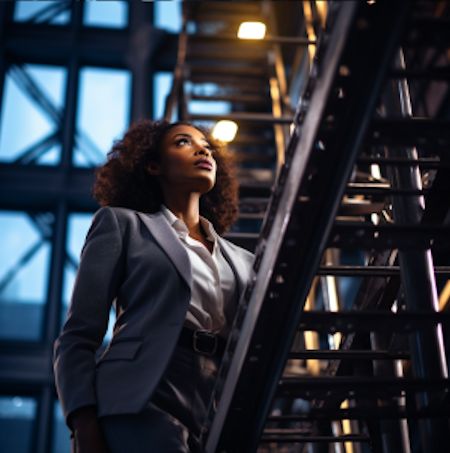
pixel 87 432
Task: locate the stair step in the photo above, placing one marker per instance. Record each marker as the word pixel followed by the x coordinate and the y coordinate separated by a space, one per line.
pixel 252 139
pixel 228 70
pixel 254 117
pixel 258 83
pixel 222 54
pixel 219 51
pixel 243 98
pixel 366 235
pixel 375 386
pixel 224 38
pixel 382 189
pixel 410 132
pixel 282 437
pixel 348 355
pixel 359 207
pixel 372 271
pixel 366 412
pixel 430 162
pixel 266 42
pixel 368 321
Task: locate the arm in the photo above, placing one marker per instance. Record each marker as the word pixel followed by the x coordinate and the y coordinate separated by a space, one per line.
pixel 96 284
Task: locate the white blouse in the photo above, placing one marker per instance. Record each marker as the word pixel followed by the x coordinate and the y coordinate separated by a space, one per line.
pixel 213 281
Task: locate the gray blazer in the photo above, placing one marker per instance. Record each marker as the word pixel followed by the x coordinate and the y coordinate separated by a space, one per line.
pixel 136 261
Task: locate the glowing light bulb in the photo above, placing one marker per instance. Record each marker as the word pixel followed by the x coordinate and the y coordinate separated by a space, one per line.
pixel 252 30
pixel 225 130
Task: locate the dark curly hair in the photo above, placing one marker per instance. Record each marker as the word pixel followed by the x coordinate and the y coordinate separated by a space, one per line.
pixel 124 181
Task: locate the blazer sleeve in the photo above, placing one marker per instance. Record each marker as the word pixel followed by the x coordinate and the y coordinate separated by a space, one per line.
pixel 96 284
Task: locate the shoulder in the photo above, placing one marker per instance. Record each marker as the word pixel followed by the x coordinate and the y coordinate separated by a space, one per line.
pixel 125 220
pixel 115 211
pixel 119 213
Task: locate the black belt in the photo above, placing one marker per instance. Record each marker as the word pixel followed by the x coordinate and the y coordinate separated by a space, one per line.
pixel 202 342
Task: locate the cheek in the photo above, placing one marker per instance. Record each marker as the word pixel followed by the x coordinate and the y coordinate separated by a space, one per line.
pixel 173 165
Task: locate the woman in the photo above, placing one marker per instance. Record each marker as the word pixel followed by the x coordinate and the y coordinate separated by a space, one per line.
pixel 153 250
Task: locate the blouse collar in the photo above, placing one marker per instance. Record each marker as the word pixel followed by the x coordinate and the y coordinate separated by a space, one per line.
pixel 181 228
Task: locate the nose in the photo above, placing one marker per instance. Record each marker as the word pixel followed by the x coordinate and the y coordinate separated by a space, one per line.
pixel 201 149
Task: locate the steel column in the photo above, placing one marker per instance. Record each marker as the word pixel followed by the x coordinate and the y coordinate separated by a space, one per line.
pixel 391 430
pixel 143 40
pixel 417 274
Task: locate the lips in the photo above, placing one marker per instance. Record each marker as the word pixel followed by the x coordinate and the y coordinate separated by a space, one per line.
pixel 204 163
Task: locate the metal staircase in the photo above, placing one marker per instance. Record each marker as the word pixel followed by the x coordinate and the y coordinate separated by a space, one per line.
pixel 340 342
pixel 214 68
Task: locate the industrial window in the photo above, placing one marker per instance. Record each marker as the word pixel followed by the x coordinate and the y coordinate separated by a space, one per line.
pixel 61 434
pixel 77 228
pixel 103 113
pixel 24 271
pixel 17 420
pixel 167 15
pixel 209 107
pixel 162 84
pixel 31 113
pixel 110 14
pixel 51 12
pixel 201 107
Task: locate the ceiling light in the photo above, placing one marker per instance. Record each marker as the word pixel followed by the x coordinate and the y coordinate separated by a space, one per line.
pixel 225 130
pixel 252 30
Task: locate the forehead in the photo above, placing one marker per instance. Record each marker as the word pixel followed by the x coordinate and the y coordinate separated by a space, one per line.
pixel 184 129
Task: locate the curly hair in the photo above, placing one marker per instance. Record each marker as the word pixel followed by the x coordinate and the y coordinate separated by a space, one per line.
pixel 123 179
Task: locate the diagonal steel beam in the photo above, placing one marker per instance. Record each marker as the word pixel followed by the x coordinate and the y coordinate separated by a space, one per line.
pixel 348 78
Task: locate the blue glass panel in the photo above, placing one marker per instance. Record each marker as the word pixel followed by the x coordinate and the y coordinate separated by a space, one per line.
pixel 61 434
pixel 206 88
pixel 32 105
pixel 167 15
pixel 24 267
pixel 112 14
pixel 103 113
pixel 162 84
pixel 209 107
pixel 77 228
pixel 17 418
pixel 53 12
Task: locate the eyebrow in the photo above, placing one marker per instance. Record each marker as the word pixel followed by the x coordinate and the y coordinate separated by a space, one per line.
pixel 184 134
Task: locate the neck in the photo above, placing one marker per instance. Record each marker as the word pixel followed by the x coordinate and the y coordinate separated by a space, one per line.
pixel 187 208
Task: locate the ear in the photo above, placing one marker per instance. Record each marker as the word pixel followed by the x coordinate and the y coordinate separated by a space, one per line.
pixel 153 168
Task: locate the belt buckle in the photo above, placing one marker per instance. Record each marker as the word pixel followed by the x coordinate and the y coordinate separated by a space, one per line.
pixel 198 335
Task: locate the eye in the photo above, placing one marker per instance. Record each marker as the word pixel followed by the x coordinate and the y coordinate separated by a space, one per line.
pixel 181 141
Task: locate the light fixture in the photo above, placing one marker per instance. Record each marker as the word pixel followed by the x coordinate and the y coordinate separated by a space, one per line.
pixel 225 130
pixel 252 30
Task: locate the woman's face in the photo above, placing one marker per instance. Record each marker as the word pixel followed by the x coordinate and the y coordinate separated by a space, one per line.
pixel 186 161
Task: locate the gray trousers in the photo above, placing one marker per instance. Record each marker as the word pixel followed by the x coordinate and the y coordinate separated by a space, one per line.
pixel 173 420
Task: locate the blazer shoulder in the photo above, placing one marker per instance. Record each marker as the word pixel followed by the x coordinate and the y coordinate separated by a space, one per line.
pixel 120 213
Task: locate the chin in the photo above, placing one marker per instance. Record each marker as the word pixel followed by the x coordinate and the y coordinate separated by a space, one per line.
pixel 205 186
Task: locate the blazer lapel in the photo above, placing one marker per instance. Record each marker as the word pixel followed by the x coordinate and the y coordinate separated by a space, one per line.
pixel 168 240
